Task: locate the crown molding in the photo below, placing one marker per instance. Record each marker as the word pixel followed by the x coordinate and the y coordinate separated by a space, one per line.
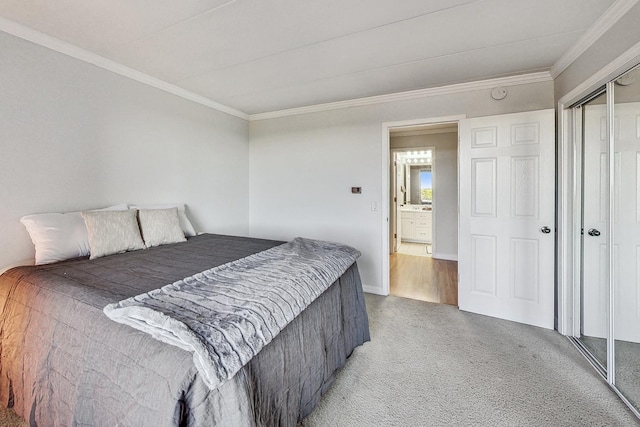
pixel 538 77
pixel 597 30
pixel 76 52
pixel 73 51
pixel 630 58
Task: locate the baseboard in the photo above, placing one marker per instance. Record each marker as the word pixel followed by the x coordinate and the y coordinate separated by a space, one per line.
pixel 448 257
pixel 372 290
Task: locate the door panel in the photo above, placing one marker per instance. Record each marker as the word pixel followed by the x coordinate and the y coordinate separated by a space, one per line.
pixel 506 261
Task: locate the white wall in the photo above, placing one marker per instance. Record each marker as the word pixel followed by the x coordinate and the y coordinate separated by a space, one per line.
pixel 303 166
pixel 445 199
pixel 74 136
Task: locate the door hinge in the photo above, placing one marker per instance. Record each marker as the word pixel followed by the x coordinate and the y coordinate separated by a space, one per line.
pixel 395 236
pixel 395 199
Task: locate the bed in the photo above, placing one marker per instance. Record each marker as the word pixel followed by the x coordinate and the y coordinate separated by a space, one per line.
pixel 63 362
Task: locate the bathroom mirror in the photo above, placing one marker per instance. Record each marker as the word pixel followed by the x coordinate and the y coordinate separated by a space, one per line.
pixel 421 192
pixel 417 174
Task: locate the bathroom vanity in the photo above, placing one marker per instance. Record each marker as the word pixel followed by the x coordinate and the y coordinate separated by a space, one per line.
pixel 416 223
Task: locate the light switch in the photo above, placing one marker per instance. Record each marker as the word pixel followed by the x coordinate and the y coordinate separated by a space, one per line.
pixel 374 206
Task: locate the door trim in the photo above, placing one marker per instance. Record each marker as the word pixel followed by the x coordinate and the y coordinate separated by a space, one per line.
pixel 386 183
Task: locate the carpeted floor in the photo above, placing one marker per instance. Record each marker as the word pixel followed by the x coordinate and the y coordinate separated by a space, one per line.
pixel 433 365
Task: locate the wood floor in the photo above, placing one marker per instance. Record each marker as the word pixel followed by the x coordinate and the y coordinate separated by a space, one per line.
pixel 424 278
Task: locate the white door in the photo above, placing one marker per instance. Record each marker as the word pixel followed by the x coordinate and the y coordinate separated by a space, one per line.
pixel 506 240
pixel 626 222
pixel 398 197
pixel 394 205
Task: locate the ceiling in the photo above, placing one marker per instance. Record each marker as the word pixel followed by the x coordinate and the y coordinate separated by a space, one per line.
pixel 259 56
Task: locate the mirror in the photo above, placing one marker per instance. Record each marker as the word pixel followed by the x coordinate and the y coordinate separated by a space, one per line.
pixel 626 235
pixel 418 176
pixel 421 185
pixel 594 300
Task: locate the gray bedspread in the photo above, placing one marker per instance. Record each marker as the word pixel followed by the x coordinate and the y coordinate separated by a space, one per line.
pixel 225 315
pixel 63 362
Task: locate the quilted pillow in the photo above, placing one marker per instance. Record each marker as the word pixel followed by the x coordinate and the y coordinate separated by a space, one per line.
pixel 187 228
pixel 160 226
pixel 112 232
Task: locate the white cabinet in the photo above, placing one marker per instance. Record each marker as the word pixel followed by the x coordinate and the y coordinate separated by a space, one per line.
pixel 407 228
pixel 416 226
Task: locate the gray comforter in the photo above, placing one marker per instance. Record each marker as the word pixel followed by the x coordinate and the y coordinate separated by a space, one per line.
pixel 225 315
pixel 63 362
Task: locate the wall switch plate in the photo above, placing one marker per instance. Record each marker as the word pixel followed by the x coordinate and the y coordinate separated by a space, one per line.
pixel 374 206
pixel 356 190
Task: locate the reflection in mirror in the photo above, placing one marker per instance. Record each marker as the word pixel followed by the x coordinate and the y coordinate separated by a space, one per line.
pixel 421 188
pixel 594 295
pixel 417 166
pixel 626 235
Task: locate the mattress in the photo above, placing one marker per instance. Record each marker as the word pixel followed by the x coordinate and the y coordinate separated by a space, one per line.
pixel 63 362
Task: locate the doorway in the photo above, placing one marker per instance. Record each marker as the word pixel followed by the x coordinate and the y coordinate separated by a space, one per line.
pixel 423 212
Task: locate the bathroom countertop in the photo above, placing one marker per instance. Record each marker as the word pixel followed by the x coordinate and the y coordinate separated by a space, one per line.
pixel 415 208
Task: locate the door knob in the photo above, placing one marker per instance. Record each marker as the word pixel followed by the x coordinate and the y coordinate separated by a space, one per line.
pixel 593 232
pixel 545 230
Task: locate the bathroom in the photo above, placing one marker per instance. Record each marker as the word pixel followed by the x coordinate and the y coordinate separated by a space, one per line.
pixel 416 207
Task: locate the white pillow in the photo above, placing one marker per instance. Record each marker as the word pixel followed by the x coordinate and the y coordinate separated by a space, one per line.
pixel 160 226
pixel 112 232
pixel 185 224
pixel 59 236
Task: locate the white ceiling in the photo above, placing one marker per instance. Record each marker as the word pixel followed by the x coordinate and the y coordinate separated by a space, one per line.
pixel 258 56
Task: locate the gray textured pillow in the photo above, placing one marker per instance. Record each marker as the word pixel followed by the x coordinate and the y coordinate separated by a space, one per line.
pixel 160 226
pixel 112 232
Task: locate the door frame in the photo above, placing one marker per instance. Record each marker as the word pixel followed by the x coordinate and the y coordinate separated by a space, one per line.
pixel 386 182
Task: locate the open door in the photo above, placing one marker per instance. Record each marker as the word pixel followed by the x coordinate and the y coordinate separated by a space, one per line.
pixel 397 199
pixel 506 240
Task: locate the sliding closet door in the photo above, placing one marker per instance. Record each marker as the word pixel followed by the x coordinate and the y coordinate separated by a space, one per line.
pixel 626 233
pixel 594 301
pixel 609 292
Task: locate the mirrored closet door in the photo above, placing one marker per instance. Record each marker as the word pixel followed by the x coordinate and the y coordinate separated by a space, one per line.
pixel 608 295
pixel 626 235
pixel 594 301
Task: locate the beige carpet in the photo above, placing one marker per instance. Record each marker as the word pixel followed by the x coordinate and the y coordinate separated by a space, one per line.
pixel 433 365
